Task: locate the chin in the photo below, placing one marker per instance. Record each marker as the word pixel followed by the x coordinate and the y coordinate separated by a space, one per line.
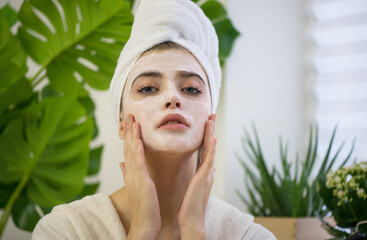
pixel 172 147
pixel 173 142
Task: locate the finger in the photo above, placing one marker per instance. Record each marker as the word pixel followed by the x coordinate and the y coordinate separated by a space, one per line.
pixel 126 142
pixel 124 125
pixel 137 131
pixel 122 166
pixel 213 116
pixel 208 135
pixel 126 129
pixel 210 128
pixel 138 143
pixel 131 132
pixel 139 156
pixel 208 163
pixel 129 143
pixel 137 151
pixel 129 125
pixel 210 158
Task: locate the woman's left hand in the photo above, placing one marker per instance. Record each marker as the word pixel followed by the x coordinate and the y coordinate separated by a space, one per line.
pixel 191 215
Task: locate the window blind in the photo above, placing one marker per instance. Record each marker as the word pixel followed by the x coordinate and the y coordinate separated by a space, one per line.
pixel 339 58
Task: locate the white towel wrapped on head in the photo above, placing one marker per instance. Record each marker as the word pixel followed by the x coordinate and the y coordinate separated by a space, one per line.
pixel 179 21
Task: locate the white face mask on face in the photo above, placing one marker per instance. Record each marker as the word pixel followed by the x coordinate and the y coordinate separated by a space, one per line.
pixel 167 91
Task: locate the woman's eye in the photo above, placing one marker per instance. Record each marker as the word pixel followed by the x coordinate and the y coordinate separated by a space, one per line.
pixel 192 90
pixel 148 89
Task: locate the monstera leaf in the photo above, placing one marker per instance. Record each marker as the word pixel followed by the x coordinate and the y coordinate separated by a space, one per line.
pixel 9 14
pixel 47 151
pixel 12 56
pixel 226 32
pixel 15 90
pixel 75 41
pixel 47 148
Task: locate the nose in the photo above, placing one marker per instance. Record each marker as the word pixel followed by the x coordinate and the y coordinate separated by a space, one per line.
pixel 173 103
pixel 173 98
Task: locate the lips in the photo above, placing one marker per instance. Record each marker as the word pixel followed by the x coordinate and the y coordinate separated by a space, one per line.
pixel 173 122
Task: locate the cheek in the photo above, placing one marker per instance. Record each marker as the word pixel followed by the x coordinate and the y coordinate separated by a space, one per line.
pixel 200 113
pixel 200 110
pixel 140 110
pixel 143 112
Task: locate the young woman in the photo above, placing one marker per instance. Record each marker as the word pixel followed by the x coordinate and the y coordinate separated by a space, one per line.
pixel 165 94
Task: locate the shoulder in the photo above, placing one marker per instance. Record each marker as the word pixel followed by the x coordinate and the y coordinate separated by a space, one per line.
pixel 93 217
pixel 223 221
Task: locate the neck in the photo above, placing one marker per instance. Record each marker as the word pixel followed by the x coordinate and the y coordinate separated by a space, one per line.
pixel 171 174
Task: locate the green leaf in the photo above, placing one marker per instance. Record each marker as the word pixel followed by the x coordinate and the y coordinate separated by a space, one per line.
pixel 9 14
pixel 48 92
pixel 46 210
pixel 95 160
pixel 80 40
pixel 24 213
pixel 15 91
pixel 226 32
pixel 89 189
pixel 66 81
pixel 13 100
pixel 6 190
pixel 332 230
pixel 50 143
pixel 12 57
pixel 88 104
pixel 131 2
pixel 214 10
pixel 95 128
pixel 293 191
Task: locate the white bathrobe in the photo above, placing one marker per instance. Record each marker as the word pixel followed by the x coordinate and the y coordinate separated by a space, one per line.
pixel 94 217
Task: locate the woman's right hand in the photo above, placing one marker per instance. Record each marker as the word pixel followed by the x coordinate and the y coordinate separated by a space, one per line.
pixel 144 205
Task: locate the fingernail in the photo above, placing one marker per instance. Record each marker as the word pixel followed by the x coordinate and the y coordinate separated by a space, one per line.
pixel 137 143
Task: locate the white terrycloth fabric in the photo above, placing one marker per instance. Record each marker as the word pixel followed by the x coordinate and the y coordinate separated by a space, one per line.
pixel 94 217
pixel 179 21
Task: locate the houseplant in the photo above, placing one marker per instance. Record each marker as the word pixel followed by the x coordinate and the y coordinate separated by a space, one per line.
pixel 47 118
pixel 292 191
pixel 344 192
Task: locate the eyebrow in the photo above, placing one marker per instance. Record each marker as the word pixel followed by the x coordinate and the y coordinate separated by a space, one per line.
pixel 156 74
pixel 147 74
pixel 185 74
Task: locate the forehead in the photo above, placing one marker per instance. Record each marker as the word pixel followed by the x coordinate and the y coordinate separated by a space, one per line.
pixel 166 61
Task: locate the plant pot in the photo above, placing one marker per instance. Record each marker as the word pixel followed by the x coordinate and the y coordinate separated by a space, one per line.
pixel 284 228
pixel 287 228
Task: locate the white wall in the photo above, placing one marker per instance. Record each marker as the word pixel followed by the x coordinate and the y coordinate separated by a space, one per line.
pixel 263 83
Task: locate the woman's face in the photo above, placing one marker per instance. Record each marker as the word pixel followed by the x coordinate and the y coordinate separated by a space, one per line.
pixel 167 91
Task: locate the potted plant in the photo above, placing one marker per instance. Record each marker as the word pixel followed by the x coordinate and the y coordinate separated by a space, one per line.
pixel 47 120
pixel 290 192
pixel 344 193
